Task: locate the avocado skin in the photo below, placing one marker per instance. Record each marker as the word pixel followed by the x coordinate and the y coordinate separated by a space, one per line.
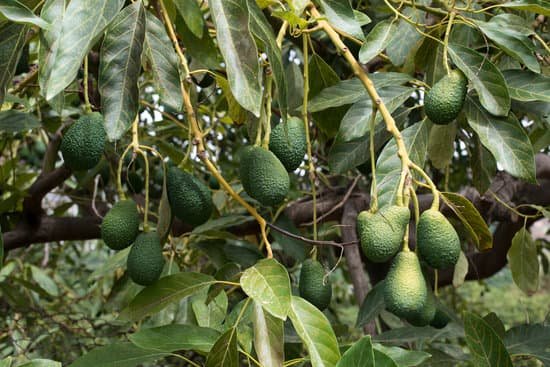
pixel 437 241
pixel 381 233
pixel 311 284
pixel 444 101
pixel 189 198
pixel 145 260
pixel 263 176
pixel 120 226
pixel 426 314
pixel 405 291
pixel 288 142
pixel 83 143
pixel 440 320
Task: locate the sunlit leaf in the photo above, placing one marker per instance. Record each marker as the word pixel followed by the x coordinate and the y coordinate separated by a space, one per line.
pixel 485 345
pixel 170 338
pixel 524 261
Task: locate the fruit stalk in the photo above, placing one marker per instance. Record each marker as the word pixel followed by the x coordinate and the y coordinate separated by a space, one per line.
pixel 446 42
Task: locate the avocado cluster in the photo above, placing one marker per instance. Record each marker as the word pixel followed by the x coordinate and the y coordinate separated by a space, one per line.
pixel 444 101
pixel 189 198
pixel 83 143
pixel 288 142
pixel 313 285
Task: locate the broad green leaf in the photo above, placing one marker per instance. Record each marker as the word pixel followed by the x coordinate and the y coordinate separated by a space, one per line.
pixel 534 6
pixel 460 270
pixel 163 61
pixel 209 313
pixel 360 354
pixel 441 144
pixel 268 284
pixel 12 121
pixel 119 69
pixel 164 223
pixel 41 363
pixel 381 359
pixel 83 22
pixel 165 291
pixel 485 346
pixel 413 334
pixel 44 281
pixel 372 305
pixel 529 340
pixel 12 40
pixel 116 261
pixel 495 323
pixel 403 357
pixel 505 138
pixel 340 15
pixel 268 337
pixel 407 40
pixel 234 109
pixel 6 362
pixel 377 40
pixel 170 338
pixel 192 15
pixel 224 353
pixel 430 58
pixel 117 355
pixel 203 51
pixel 527 86
pixel 290 246
pixel 474 224
pixel 222 222
pixel 239 52
pixel 316 332
pixel 524 261
pixel 485 77
pixel 20 13
pixel 484 167
pixel 388 165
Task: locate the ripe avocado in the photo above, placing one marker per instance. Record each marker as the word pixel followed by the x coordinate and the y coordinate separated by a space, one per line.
pixel 288 143
pixel 83 143
pixel 145 260
pixel 189 198
pixel 437 241
pixel 444 101
pixel 381 233
pixel 263 176
pixel 312 287
pixel 120 226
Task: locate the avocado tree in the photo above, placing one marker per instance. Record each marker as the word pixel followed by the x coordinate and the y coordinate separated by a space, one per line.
pixel 271 183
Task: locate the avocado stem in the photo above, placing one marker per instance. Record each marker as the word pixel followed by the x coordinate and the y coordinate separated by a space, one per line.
pixel 435 192
pixel 452 15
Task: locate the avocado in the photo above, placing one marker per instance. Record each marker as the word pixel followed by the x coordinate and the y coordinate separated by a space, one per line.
pixel 312 286
pixel 84 141
pixel 440 320
pixel 405 291
pixel 437 241
pixel 263 176
pixel 288 142
pixel 426 314
pixel 189 198
pixel 145 260
pixel 120 226
pixel 444 101
pixel 381 233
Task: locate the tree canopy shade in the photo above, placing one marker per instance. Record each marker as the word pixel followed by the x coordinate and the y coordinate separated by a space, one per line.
pixel 169 167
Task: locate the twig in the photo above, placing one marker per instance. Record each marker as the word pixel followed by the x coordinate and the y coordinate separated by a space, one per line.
pixel 310 241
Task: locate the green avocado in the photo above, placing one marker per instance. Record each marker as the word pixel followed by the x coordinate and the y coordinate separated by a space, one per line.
pixel 313 286
pixel 440 320
pixel 83 143
pixel 120 226
pixel 437 241
pixel 381 233
pixel 426 314
pixel 189 198
pixel 444 101
pixel 263 176
pixel 145 260
pixel 288 143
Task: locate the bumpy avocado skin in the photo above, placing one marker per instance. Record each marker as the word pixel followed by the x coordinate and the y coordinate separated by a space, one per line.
pixel 425 315
pixel 405 291
pixel 288 143
pixel 120 226
pixel 83 143
pixel 145 260
pixel 311 284
pixel 437 241
pixel 190 199
pixel 263 176
pixel 444 101
pixel 381 233
pixel 440 320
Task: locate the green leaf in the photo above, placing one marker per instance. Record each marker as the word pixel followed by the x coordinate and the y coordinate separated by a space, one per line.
pixel 53 11
pixel 316 332
pixel 505 138
pixel 170 338
pixel 487 80
pixel 529 340
pixel 377 40
pixel 224 353
pixel 524 261
pixel 239 52
pixel 164 224
pixel 403 357
pixel 495 323
pixel 41 363
pixel 192 15
pixel 203 51
pixel 535 6
pixel 19 13
pixel 210 313
pixel 527 86
pixel 12 121
pixel 119 69
pixel 381 359
pixel 441 144
pixel 117 355
pixel 165 291
pixel 44 281
pixel 12 40
pixel 388 165
pixel 163 62
pixel 460 270
pixel 6 362
pixel 222 222
pixel 340 14
pixel 407 40
pixel 268 284
pixel 360 354
pixel 290 246
pixel 83 22
pixel 484 167
pixel 413 334
pixel 474 224
pixel 486 347
pixel 372 305
pixel 268 338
